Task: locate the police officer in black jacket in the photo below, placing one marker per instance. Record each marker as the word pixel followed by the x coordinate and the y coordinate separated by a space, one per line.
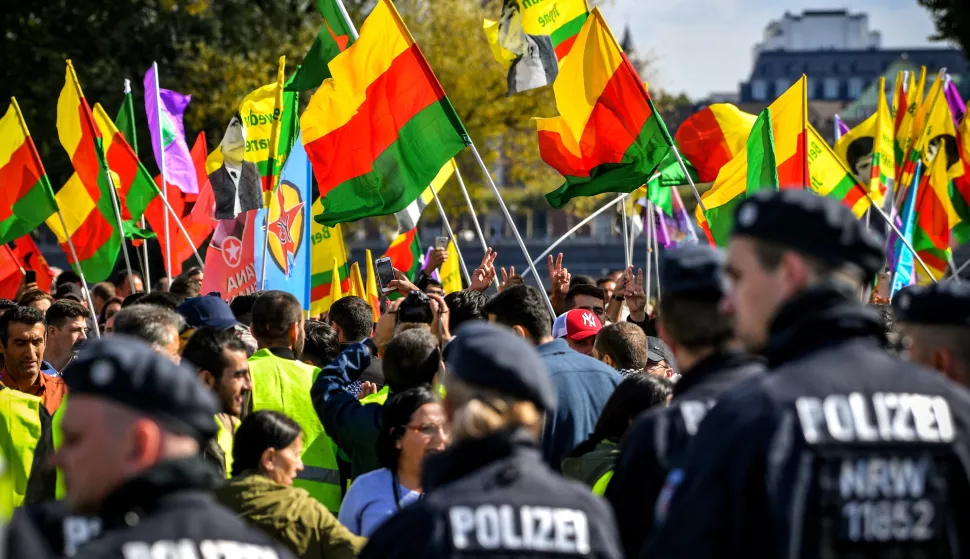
pixel 693 282
pixel 934 323
pixel 136 483
pixel 491 494
pixel 840 450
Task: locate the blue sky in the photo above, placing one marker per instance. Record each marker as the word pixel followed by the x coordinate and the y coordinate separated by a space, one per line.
pixel 704 46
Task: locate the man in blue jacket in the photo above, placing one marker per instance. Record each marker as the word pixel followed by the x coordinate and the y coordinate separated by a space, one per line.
pixel 583 384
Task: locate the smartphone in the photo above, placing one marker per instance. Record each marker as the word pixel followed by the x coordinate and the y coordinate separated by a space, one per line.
pixel 441 242
pixel 385 273
pixel 30 276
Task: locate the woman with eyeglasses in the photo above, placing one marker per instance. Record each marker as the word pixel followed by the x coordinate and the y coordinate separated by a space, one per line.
pixel 413 427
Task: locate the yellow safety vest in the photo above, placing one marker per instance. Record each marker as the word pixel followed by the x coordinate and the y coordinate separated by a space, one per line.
pixel 20 432
pixel 224 440
pixel 283 385
pixel 379 397
pixel 599 488
pixel 57 436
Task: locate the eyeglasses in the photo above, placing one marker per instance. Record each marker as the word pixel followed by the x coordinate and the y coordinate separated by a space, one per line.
pixel 429 429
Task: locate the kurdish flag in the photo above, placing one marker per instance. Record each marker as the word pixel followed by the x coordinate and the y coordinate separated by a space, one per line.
pixel 85 200
pixel 380 130
pixel 935 216
pixel 334 38
pixel 405 253
pixel 373 296
pixel 608 137
pixel 326 243
pixel 960 187
pixel 713 136
pixel 830 177
pixel 867 150
pixel 773 157
pixel 908 103
pixel 136 188
pixel 407 218
pixel 26 199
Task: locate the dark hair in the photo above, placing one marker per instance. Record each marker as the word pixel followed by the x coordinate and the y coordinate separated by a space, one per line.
pixel 625 343
pixel 431 282
pixel 411 359
pixel 205 349
pixel 242 307
pixel 581 279
pixel 465 306
pixel 395 414
pixel 161 299
pixel 259 431
pixel 634 395
pixel 149 323
pixel 67 276
pixel 584 289
pixel 132 299
pixel 101 318
pixel 695 323
pixel 321 346
pixel 603 280
pixel 62 311
pixel 523 306
pixel 21 315
pixel 354 316
pixel 184 287
pixel 33 296
pixel 122 278
pixel 193 271
pixel 274 312
pixel 769 255
pixel 103 290
pixel 857 149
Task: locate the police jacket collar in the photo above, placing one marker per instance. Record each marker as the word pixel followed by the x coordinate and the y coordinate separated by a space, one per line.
pixel 142 494
pixel 470 455
pixel 819 317
pixel 720 361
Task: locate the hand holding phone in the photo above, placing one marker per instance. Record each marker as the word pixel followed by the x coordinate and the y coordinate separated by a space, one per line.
pixel 385 273
pixel 441 242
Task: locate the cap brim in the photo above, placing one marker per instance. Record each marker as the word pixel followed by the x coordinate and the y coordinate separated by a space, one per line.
pixel 654 356
pixel 580 336
pixel 221 324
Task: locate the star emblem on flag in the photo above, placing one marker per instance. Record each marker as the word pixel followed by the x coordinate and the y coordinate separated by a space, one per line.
pixel 282 228
pixel 231 251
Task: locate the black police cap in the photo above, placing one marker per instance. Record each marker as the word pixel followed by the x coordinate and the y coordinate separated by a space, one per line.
pixel 491 357
pixel 942 304
pixel 696 271
pixel 813 225
pixel 129 372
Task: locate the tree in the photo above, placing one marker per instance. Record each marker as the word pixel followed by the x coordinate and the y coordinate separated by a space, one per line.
pixel 952 19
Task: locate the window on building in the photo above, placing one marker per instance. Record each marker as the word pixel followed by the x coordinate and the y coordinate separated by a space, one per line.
pixel 831 86
pixel 811 88
pixel 781 86
pixel 759 90
pixel 855 87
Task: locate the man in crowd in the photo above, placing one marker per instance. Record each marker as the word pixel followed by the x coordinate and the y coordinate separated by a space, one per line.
pixel 101 293
pixel 608 285
pixel 411 359
pixel 320 347
pixel 622 346
pixel 579 328
pixel 353 321
pixel 242 308
pixel 22 344
pixel 130 457
pixel 67 329
pixel 123 285
pixel 934 322
pixel 778 466
pixel 465 306
pixel 281 383
pixel 583 384
pixel 158 326
pixel 693 281
pixel 223 366
pixel 36 299
pixel 587 297
pixel 660 359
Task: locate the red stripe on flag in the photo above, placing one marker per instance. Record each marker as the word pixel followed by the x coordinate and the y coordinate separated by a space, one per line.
pixel 17 177
pixel 702 142
pixel 791 172
pixel 93 233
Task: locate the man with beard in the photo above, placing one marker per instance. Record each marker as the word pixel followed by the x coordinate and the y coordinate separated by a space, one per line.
pixel 281 383
pixel 220 357
pixel 67 329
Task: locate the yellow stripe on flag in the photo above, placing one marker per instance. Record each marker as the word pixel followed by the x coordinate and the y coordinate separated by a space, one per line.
pixel 451 271
pixel 384 37
pixel 788 120
pixel 11 135
pixel 370 284
pixel 584 73
pixel 75 203
pixel 828 173
pixel 356 282
pixel 439 182
pixel 542 17
pixel 69 130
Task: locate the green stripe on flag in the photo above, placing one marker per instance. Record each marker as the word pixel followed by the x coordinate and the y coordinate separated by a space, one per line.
pixel 32 209
pixel 762 169
pixel 568 29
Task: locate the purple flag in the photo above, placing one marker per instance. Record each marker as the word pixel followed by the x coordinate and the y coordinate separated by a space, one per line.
pixel 168 133
pixel 957 106
pixel 841 128
pixel 677 229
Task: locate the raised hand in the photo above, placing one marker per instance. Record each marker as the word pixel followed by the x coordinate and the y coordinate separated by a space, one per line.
pixel 484 274
pixel 402 284
pixel 636 298
pixel 436 258
pixel 510 279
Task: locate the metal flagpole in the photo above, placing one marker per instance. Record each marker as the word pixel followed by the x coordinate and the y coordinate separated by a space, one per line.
pixel 144 253
pixel 161 171
pixel 626 245
pixel 957 271
pixel 690 180
pixel 178 223
pixel 569 233
pixel 953 266
pixel 646 286
pixel 121 225
pixel 274 141
pixel 80 273
pixel 350 24
pixel 656 248
pixel 451 235
pixel 515 231
pixel 471 210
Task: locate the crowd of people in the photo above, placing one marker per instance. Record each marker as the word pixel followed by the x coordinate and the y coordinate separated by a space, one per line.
pixel 766 403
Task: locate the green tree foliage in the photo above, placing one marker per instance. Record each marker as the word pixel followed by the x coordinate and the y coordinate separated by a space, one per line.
pixel 952 18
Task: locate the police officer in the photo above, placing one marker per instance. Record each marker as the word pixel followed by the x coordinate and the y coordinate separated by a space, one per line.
pixel 841 450
pixel 693 282
pixel 132 465
pixel 934 322
pixel 491 493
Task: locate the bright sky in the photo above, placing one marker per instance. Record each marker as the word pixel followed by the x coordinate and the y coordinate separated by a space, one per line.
pixel 704 46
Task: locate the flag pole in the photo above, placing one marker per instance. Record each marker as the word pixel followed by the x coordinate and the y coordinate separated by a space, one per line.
pixel 133 142
pixel 646 287
pixel 953 266
pixel 350 24
pixel 626 235
pixel 80 272
pixel 451 235
pixel 690 180
pixel 957 271
pixel 178 223
pixel 656 247
pixel 121 225
pixel 143 260
pixel 161 171
pixel 274 140
pixel 515 231
pixel 471 210
pixel 902 237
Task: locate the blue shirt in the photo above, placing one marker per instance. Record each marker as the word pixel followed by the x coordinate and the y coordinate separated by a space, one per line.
pixel 370 501
pixel 48 369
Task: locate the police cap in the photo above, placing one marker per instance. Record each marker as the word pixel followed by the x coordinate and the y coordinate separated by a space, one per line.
pixel 127 371
pixel 943 304
pixel 813 225
pixel 695 271
pixel 491 357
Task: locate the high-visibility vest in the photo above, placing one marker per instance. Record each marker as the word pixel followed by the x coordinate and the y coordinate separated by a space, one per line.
pixel 283 385
pixel 379 397
pixel 24 422
pixel 599 488
pixel 224 440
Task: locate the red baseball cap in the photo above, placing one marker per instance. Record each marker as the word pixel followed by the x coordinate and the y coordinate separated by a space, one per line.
pixel 581 324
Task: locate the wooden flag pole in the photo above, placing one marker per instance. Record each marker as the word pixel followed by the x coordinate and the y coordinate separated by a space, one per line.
pixel 80 273
pixel 451 235
pixel 515 230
